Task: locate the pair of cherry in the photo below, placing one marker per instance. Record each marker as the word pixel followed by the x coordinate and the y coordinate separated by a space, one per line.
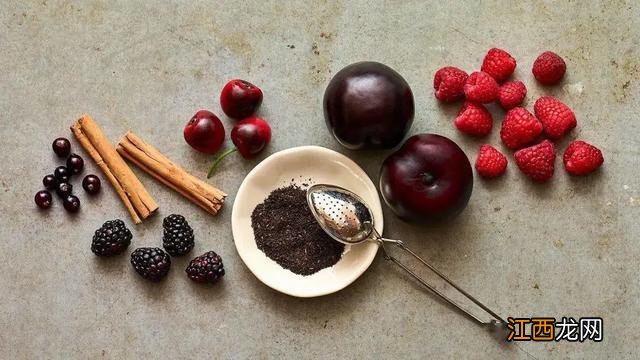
pixel 239 100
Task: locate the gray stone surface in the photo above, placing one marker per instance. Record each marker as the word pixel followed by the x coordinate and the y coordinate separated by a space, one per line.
pixel 567 248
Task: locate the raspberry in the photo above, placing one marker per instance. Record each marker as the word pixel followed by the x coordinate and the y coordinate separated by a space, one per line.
pixel 581 158
pixel 499 64
pixel 480 87
pixel 511 94
pixel 556 117
pixel 537 161
pixel 448 83
pixel 549 68
pixel 474 119
pixel 519 128
pixel 490 162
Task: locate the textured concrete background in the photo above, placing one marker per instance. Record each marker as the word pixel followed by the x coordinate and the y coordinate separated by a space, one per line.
pixel 567 248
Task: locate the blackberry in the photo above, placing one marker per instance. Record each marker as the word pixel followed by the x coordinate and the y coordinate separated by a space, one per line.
pixel 206 268
pixel 151 263
pixel 178 235
pixel 112 238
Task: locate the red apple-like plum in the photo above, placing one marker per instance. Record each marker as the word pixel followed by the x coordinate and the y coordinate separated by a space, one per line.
pixel 428 179
pixel 368 105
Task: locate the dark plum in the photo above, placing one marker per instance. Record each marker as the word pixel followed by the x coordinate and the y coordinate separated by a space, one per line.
pixel 368 105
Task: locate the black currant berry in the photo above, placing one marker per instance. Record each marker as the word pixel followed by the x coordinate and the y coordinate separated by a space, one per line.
pixel 71 203
pixel 62 147
pixel 62 174
pixel 50 182
pixel 91 184
pixel 43 199
pixel 75 164
pixel 64 189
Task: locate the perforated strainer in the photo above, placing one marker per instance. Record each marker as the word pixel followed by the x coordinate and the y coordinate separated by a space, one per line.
pixel 347 221
pixel 346 218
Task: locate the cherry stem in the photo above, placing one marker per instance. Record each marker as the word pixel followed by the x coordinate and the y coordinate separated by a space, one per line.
pixel 218 159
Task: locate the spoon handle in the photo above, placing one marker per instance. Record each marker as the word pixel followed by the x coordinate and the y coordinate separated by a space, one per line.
pixel 401 245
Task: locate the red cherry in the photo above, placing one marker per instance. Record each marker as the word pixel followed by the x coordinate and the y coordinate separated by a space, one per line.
pixel 204 132
pixel 240 99
pixel 250 136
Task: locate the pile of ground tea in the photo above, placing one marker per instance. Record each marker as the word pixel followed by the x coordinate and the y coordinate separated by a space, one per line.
pixel 286 231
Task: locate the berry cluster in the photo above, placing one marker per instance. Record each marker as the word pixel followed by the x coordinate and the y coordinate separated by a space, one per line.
pixel 112 238
pixel 153 263
pixel 59 181
pixel 178 236
pixel 551 119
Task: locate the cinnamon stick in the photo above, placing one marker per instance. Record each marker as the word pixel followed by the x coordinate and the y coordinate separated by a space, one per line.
pixel 149 159
pixel 134 196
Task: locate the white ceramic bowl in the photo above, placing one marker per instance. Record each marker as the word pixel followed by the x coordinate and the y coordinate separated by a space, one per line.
pixel 311 165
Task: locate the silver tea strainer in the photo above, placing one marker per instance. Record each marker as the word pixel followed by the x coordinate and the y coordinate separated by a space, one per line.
pixel 346 218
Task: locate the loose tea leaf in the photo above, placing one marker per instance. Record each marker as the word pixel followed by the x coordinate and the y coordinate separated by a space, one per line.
pixel 287 232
